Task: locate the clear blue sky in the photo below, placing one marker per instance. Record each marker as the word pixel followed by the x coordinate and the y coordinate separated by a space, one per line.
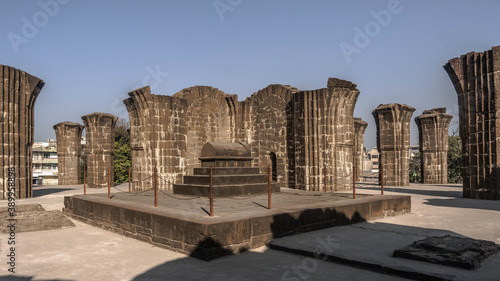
pixel 92 53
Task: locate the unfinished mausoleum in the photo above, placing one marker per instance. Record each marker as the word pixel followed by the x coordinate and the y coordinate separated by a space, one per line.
pixel 300 134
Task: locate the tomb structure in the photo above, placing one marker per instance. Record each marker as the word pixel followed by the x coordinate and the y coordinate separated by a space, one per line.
pixel 232 174
pixel 433 145
pixel 301 135
pixel 99 148
pixel 476 77
pixel 19 91
pixel 69 148
pixel 393 142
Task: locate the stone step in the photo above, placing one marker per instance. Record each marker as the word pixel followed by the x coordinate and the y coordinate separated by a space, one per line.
pixel 224 190
pixel 227 171
pixel 226 179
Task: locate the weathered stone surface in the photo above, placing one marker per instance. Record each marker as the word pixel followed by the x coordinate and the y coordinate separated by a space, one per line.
pixel 33 217
pixel 476 77
pixel 297 133
pixel 433 145
pixel 359 133
pixel 69 149
pixel 19 91
pixel 100 147
pixel 393 142
pixel 449 250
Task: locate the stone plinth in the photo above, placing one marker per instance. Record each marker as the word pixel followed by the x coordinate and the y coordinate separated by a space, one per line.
pixel 433 145
pixel 393 142
pixel 476 77
pixel 359 133
pixel 19 91
pixel 100 147
pixel 69 148
pixel 232 174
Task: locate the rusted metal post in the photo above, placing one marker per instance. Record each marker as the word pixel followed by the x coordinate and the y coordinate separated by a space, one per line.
pixel 381 180
pixel 109 182
pixel 155 185
pixel 128 179
pixel 269 188
pixel 84 181
pixel 211 192
pixel 353 181
pixel 326 178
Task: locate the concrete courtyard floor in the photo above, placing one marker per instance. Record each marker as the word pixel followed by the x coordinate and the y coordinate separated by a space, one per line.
pixel 89 253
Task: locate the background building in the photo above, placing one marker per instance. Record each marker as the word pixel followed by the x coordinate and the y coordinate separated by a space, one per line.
pixel 45 163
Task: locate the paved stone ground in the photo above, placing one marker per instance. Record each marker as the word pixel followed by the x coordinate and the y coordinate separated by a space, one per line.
pixel 88 253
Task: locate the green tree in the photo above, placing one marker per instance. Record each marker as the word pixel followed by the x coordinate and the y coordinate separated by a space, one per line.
pixel 122 156
pixel 415 165
pixel 454 159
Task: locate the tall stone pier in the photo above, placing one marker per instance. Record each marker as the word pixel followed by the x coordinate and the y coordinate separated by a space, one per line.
pixel 100 147
pixel 393 142
pixel 19 91
pixel 359 133
pixel 69 149
pixel 433 145
pixel 476 77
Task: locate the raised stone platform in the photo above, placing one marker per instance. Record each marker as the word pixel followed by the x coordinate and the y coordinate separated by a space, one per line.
pixel 180 223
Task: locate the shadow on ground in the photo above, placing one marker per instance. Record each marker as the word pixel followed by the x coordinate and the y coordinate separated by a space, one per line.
pixel 422 191
pixel 465 203
pixel 275 265
pixel 48 191
pixel 27 278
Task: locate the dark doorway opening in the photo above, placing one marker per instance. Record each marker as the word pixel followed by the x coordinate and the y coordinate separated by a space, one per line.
pixel 274 166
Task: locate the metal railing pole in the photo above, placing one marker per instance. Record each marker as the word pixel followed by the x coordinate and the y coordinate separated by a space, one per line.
pixel 326 179
pixel 354 181
pixel 211 192
pixel 269 188
pixel 84 181
pixel 155 185
pixel 381 180
pixel 109 182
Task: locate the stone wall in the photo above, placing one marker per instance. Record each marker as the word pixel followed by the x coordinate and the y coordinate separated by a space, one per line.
pixel 69 148
pixel 100 147
pixel 433 145
pixel 393 142
pixel 286 129
pixel 476 77
pixel 19 91
pixel 359 133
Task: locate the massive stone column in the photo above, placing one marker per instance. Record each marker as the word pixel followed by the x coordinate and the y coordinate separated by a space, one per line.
pixel 69 148
pixel 100 147
pixel 157 137
pixel 324 136
pixel 476 77
pixel 433 145
pixel 393 142
pixel 19 91
pixel 359 133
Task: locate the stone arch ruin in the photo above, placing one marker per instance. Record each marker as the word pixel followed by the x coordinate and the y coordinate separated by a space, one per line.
pixel 311 132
